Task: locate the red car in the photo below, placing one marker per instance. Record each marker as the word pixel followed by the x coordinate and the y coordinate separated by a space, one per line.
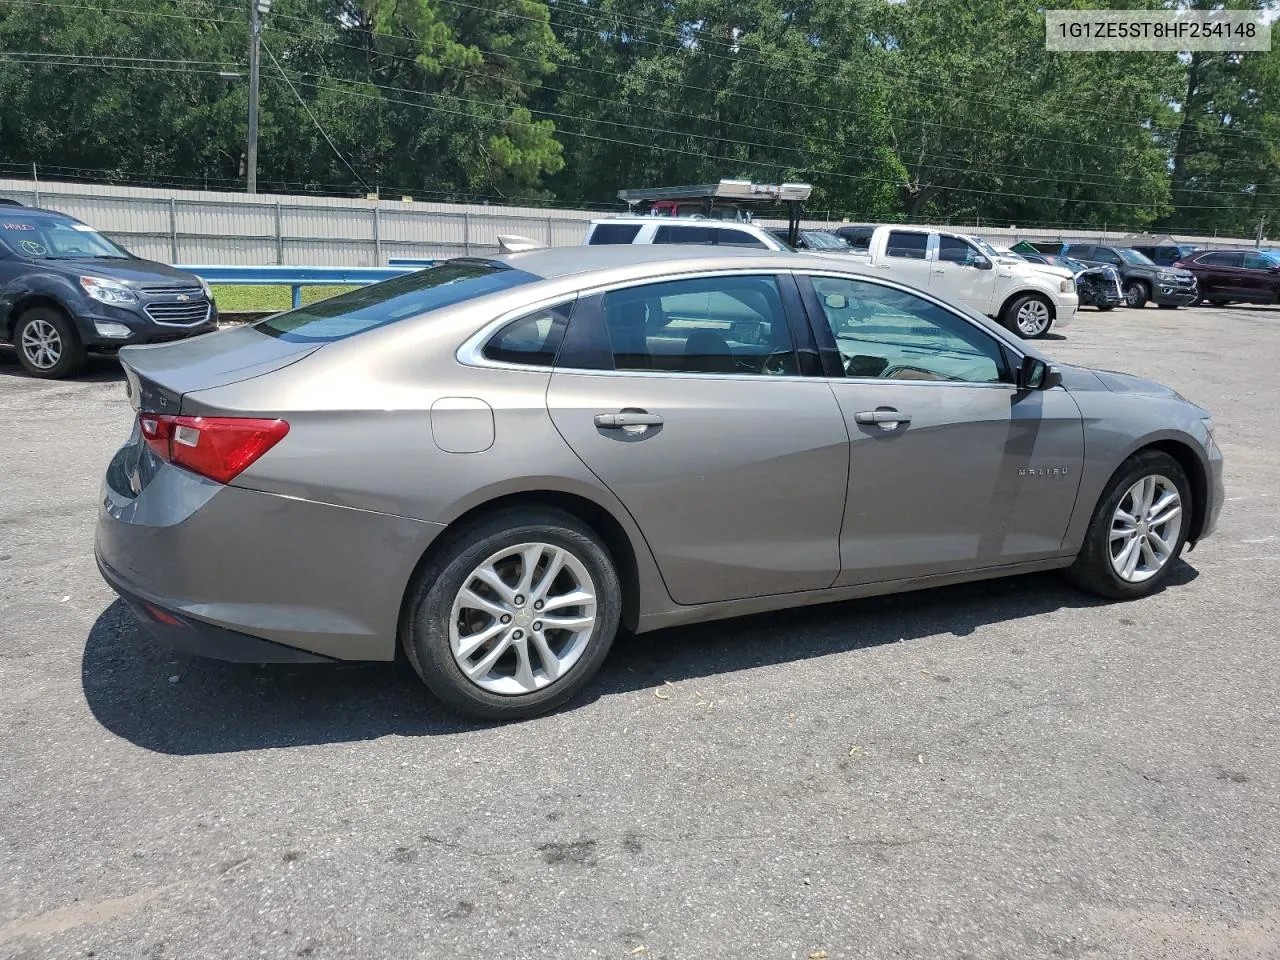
pixel 1235 276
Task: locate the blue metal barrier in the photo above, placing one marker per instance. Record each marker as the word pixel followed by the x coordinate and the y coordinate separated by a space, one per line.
pixel 295 278
pixel 411 262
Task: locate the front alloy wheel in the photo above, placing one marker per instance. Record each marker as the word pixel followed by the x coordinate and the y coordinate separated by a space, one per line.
pixel 1138 529
pixel 41 344
pixel 47 343
pixel 1144 528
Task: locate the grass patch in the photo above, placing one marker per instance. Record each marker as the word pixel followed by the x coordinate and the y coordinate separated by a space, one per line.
pixel 232 298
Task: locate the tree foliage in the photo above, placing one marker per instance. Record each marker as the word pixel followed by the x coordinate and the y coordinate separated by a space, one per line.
pixel 948 110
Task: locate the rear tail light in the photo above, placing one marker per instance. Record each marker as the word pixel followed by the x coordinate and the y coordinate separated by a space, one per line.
pixel 219 448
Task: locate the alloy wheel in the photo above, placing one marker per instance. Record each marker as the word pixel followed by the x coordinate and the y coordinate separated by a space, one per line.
pixel 41 344
pixel 522 618
pixel 1145 528
pixel 1033 318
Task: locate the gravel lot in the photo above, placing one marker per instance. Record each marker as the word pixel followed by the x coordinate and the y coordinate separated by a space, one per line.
pixel 1011 769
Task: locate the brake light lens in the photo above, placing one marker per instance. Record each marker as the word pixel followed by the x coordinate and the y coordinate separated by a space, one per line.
pixel 220 448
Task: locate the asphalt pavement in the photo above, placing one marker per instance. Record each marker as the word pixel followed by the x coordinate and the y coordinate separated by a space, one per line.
pixel 1006 770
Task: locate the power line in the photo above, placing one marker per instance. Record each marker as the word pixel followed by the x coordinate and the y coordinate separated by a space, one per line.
pixel 152 68
pixel 133 10
pixel 770 165
pixel 329 140
pixel 1046 176
pixel 644 146
pixel 736 46
pixel 95 56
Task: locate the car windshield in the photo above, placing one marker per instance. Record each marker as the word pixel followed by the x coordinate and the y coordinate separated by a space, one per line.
pixel 1133 256
pixel 56 238
pixel 821 240
pixel 1071 264
pixel 989 250
pixel 397 299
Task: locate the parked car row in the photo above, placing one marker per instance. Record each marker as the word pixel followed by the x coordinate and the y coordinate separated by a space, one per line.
pixel 66 290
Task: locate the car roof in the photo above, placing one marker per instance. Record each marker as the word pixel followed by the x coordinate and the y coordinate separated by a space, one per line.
pixel 19 210
pixel 553 262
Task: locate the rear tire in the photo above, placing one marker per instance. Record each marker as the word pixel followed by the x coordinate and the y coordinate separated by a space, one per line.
pixel 521 666
pixel 1106 307
pixel 1167 306
pixel 1029 316
pixel 1102 565
pixel 48 344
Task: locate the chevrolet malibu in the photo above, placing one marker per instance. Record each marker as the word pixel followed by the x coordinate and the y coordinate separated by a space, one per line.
pixel 493 464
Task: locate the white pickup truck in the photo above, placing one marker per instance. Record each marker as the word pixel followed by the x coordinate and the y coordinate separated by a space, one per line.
pixel 1029 299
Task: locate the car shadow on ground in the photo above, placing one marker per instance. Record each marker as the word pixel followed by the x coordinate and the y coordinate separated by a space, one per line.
pixel 97 369
pixel 171 703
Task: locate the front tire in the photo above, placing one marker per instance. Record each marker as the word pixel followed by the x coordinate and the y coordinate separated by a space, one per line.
pixel 1136 294
pixel 515 615
pixel 1167 306
pixel 48 345
pixel 1029 316
pixel 1137 531
pixel 1106 307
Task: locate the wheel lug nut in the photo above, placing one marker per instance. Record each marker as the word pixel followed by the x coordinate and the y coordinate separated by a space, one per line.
pixel 537 624
pixel 537 604
pixel 519 600
pixel 506 618
pixel 517 634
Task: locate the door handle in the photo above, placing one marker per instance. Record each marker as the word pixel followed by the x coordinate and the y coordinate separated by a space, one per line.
pixel 617 421
pixel 939 270
pixel 886 419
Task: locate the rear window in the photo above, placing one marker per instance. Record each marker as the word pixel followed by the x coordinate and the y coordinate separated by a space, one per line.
pixel 613 233
pixel 397 299
pixel 699 235
pixel 738 238
pixel 911 246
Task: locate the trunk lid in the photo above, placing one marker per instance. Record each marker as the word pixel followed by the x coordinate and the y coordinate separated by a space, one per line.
pixel 160 375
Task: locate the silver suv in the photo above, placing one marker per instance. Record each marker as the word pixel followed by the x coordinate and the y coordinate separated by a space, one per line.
pixel 690 231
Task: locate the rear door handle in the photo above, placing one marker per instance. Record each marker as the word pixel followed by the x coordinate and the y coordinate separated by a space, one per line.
pixel 616 421
pixel 939 270
pixel 887 419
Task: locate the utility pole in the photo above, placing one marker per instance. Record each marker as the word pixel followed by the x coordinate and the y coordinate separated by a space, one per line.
pixel 256 9
pixel 1257 243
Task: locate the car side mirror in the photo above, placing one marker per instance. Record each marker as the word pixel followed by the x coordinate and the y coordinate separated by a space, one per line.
pixel 1035 374
pixel 982 263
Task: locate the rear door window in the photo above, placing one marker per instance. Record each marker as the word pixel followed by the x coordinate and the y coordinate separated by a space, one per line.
pixel 696 235
pixel 907 244
pixel 609 233
pixel 1222 258
pixel 1256 261
pixel 393 300
pixel 738 238
pixel 733 325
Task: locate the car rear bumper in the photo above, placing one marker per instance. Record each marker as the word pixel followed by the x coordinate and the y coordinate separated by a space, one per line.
pixel 242 570
pixel 197 637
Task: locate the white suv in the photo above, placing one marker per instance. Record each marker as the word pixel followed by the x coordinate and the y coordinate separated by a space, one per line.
pixel 723 233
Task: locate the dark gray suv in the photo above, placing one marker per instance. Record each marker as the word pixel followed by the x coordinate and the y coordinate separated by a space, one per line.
pixel 65 290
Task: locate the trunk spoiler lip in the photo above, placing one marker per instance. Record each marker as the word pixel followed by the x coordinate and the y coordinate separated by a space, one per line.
pixel 167 391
